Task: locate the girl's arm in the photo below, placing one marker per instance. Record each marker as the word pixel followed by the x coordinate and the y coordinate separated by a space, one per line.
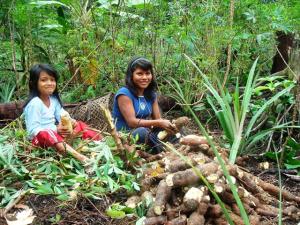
pixel 155 110
pixel 127 110
pixel 32 119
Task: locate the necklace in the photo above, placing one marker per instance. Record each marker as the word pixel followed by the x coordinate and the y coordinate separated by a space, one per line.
pixel 142 103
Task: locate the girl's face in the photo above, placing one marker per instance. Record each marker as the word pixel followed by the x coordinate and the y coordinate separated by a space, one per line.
pixel 46 84
pixel 141 78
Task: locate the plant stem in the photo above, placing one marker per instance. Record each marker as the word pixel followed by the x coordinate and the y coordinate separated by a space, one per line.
pixel 228 60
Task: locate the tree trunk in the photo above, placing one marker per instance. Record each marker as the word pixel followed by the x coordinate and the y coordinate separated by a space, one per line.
pixel 281 59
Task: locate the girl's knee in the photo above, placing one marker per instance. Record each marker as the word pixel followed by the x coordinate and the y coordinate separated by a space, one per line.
pixel 46 138
pixel 142 133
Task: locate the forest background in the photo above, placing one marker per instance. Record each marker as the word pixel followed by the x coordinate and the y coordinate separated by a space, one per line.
pixel 193 45
pixel 90 42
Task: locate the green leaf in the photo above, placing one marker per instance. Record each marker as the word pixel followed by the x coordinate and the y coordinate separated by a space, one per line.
pixel 44 189
pixel 115 214
pixel 263 108
pixel 57 190
pixel 250 15
pixel 136 186
pixel 63 197
pixel 292 166
pixel 293 144
pixel 3 138
pixel 271 155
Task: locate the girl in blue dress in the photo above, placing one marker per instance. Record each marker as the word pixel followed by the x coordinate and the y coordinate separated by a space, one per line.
pixel 135 107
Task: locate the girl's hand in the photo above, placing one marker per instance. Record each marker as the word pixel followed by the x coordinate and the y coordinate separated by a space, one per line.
pixel 167 125
pixel 74 123
pixel 63 131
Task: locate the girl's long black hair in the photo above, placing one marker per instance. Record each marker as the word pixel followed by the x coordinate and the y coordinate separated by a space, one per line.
pixel 144 64
pixel 34 76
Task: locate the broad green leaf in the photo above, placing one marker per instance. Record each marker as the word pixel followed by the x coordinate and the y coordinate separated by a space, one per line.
pixel 44 189
pixel 293 144
pixel 3 138
pixel 63 197
pixel 264 107
pixel 115 214
pixel 292 166
pixel 136 186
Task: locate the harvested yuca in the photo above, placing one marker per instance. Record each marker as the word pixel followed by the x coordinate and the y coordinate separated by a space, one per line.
pixel 193 139
pixel 133 201
pixel 192 198
pixel 178 124
pixel 66 121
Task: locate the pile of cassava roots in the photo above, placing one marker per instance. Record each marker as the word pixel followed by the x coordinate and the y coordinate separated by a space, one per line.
pixel 180 196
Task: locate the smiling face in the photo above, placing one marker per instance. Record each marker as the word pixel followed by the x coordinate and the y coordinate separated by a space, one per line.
pixel 141 79
pixel 46 84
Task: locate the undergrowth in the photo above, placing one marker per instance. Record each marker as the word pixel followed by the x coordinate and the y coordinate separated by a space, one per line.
pixel 44 172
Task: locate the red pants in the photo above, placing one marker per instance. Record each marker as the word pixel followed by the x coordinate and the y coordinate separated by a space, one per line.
pixel 48 138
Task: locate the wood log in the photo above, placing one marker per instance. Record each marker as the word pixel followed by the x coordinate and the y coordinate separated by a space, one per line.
pixel 11 110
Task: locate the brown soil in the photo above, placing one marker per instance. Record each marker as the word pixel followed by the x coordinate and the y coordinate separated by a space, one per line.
pixel 92 212
pixel 80 212
pixel 272 176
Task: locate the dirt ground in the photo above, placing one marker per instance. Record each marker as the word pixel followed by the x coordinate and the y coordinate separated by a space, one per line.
pixel 92 212
pixel 50 211
pixel 272 176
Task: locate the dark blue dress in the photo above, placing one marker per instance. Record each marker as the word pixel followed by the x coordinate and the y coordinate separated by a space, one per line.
pixel 143 110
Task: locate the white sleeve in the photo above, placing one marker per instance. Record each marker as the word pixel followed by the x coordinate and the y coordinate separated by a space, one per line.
pixel 33 118
pixel 59 111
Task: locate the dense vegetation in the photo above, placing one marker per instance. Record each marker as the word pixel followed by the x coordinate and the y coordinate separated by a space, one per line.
pixel 203 52
pixel 99 38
